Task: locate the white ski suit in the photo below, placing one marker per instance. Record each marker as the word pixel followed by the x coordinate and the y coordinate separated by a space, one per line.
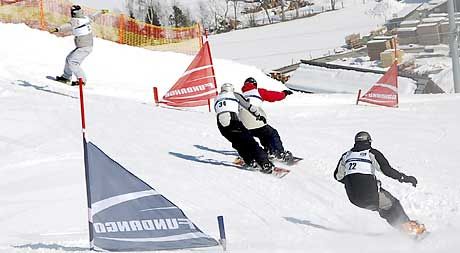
pixel 81 29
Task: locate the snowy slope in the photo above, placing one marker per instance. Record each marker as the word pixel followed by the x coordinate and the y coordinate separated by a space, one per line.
pixel 43 193
pixel 125 71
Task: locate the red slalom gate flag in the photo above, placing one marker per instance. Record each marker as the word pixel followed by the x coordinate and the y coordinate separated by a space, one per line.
pixel 197 85
pixel 385 91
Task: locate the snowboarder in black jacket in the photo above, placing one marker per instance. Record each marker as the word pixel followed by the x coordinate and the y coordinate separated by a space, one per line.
pixel 356 170
pixel 227 105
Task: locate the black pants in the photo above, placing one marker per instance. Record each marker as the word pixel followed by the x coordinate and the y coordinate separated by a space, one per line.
pixel 362 191
pixel 243 141
pixel 394 214
pixel 269 139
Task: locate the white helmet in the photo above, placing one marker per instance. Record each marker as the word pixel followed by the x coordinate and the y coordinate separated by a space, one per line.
pixel 227 87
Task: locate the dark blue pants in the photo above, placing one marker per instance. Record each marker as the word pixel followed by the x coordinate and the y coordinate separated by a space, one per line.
pixel 243 141
pixel 269 139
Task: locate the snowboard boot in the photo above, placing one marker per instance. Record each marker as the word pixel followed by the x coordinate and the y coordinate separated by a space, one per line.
pixel 413 228
pixel 271 155
pixel 63 80
pixel 286 156
pixel 252 166
pixel 76 83
pixel 239 161
pixel 267 168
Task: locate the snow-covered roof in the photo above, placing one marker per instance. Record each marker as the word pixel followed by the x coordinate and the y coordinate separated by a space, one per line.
pixel 406 29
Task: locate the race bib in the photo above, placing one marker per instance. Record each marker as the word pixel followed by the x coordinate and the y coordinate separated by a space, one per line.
pixel 226 102
pixel 358 162
pixel 81 26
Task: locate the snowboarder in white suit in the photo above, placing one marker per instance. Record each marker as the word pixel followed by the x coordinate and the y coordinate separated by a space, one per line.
pixel 356 170
pixel 80 25
pixel 227 105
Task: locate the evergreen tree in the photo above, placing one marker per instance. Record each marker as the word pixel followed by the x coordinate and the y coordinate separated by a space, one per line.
pixel 178 18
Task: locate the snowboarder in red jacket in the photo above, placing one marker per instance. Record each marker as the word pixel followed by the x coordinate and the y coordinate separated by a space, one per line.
pixel 268 136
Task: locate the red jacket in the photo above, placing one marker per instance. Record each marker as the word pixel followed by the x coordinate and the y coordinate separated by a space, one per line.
pixel 267 95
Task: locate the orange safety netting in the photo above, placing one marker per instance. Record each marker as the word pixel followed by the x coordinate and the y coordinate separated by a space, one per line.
pixel 43 14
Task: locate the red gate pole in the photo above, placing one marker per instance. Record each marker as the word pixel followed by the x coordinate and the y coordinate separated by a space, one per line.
pixel 82 107
pixel 155 96
pixel 359 95
pixel 85 156
pixel 212 64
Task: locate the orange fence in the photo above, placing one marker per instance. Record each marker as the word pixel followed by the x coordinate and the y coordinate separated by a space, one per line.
pixel 42 14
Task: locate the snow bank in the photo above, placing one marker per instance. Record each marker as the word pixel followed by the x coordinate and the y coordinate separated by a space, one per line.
pixel 323 80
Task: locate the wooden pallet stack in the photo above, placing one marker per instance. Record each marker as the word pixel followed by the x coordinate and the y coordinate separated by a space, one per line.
pixel 279 76
pixel 375 47
pixel 444 32
pixel 388 57
pixel 353 40
pixel 428 34
pixel 407 35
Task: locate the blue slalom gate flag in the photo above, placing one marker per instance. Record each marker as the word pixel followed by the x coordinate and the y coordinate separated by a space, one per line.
pixel 129 215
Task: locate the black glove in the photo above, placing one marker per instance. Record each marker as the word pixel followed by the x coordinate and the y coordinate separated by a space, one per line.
pixel 287 92
pixel 53 30
pixel 408 179
pixel 261 118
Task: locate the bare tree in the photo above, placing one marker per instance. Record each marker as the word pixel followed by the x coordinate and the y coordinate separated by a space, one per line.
pixel 283 17
pixel 266 4
pixel 333 4
pixel 226 9
pixel 235 12
pixel 144 9
pixel 153 12
pixel 205 15
pixel 131 7
pixel 215 14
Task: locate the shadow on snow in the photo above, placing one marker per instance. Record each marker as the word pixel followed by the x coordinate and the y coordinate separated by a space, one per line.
pixel 318 226
pixel 54 246
pixel 223 152
pixel 42 88
pixel 200 159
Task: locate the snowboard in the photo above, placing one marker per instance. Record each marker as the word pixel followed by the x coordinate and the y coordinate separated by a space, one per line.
pixel 74 83
pixel 239 161
pixel 418 236
pixel 277 171
pixel 293 161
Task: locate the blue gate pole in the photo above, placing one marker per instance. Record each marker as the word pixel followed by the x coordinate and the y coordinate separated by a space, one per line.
pixel 223 239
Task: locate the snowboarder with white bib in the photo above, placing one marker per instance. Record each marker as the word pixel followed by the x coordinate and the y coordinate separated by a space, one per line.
pixel 80 25
pixel 356 170
pixel 227 105
pixel 268 136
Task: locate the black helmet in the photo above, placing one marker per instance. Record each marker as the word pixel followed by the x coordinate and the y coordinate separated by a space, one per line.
pixel 76 11
pixel 363 137
pixel 250 80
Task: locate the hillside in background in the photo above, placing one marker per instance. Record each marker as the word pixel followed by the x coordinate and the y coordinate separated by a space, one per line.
pixel 291 41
